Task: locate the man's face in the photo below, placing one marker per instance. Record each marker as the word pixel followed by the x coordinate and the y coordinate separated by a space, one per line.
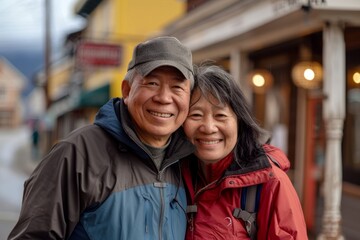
pixel 158 104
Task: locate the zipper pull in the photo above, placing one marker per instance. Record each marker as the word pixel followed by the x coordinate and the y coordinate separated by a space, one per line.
pixel 191 222
pixel 160 184
pixel 191 210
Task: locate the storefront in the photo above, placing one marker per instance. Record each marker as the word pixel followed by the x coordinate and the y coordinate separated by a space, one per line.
pixel 75 110
pixel 315 122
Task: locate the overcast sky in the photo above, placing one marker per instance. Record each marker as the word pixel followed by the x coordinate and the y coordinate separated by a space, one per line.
pixel 22 32
pixel 22 22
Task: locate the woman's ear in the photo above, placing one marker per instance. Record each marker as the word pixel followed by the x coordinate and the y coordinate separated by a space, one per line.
pixel 125 90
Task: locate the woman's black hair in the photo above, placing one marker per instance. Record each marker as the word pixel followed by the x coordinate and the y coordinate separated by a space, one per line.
pixel 214 81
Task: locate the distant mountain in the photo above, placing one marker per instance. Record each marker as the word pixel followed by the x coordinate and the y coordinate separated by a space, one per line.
pixel 28 61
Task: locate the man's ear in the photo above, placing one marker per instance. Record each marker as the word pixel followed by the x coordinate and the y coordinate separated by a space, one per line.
pixel 125 90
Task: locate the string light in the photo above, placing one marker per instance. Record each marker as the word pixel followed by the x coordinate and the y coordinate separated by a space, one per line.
pixel 354 77
pixel 260 80
pixel 307 74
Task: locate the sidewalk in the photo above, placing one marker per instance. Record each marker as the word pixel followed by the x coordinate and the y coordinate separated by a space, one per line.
pixel 350 212
pixel 15 167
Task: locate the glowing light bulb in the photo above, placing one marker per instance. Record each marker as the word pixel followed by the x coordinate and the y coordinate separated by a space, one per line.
pixel 309 74
pixel 258 80
pixel 356 78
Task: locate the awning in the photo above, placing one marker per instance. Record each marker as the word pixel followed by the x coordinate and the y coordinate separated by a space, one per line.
pixel 94 98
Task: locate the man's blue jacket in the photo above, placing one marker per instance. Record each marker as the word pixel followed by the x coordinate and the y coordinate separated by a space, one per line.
pixel 101 183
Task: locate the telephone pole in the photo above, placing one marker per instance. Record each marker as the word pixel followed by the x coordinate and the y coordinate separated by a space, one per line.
pixel 47 50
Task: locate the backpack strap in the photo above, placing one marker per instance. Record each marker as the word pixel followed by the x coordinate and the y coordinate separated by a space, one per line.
pixel 249 202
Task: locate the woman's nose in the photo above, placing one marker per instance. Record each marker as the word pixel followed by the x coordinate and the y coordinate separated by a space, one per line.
pixel 209 125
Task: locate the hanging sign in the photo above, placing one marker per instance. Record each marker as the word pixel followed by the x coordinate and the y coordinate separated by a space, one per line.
pixel 91 54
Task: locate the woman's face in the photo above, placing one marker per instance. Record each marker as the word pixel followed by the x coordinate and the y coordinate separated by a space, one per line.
pixel 211 128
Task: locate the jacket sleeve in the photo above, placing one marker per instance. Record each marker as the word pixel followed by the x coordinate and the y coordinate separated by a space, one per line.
pixel 52 201
pixel 280 215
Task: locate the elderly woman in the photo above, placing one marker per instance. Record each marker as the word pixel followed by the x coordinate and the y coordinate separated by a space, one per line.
pixel 228 160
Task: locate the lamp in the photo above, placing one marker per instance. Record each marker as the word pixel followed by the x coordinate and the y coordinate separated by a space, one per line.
pixel 353 78
pixel 307 73
pixel 260 80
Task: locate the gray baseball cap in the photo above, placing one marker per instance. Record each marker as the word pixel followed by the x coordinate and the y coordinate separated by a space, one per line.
pixel 162 51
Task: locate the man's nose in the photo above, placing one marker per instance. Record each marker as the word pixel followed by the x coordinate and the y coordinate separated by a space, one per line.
pixel 164 95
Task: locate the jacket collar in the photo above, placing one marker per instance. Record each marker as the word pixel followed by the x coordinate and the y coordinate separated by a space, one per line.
pixel 114 118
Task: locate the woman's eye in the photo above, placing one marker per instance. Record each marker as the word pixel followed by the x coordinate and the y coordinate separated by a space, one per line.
pixel 221 116
pixel 195 115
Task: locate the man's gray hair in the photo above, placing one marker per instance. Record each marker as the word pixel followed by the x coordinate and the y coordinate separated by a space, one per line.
pixel 130 75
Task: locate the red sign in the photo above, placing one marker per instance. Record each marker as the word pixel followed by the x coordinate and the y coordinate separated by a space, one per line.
pixel 89 54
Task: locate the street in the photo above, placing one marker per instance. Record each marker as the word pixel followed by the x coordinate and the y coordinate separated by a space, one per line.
pixel 15 149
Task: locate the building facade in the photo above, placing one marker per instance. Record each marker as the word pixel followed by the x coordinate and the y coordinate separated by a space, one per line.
pixel 12 83
pixel 298 63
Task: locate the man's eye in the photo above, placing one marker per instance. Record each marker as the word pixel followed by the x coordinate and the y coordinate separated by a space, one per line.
pixel 178 87
pixel 152 83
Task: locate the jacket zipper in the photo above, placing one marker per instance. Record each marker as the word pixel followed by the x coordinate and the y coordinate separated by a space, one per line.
pixel 161 185
pixel 207 187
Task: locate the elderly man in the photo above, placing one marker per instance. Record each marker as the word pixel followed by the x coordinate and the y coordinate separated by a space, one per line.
pixel 119 178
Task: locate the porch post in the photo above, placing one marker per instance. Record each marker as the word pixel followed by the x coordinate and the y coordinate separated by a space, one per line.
pixel 239 66
pixel 334 114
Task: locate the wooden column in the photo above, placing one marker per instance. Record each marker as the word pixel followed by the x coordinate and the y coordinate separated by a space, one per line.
pixel 334 114
pixel 239 66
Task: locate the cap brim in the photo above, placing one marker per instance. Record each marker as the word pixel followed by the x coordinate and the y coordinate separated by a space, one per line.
pixel 146 68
